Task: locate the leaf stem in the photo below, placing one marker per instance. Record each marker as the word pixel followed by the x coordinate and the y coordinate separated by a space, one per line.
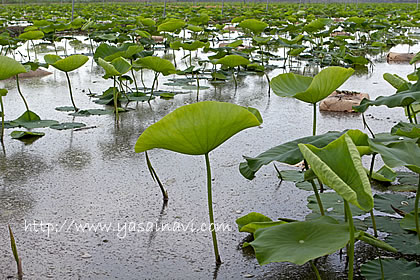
pixel 71 92
pixel 156 178
pixel 409 114
pixel 21 95
pixel 318 277
pixel 314 121
pixel 2 119
pixel 210 202
pixel 372 216
pixel 350 252
pixel 416 209
pixel 318 198
pixel 115 99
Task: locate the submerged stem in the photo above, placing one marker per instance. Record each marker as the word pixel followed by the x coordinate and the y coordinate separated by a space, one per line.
pixel 210 202
pixel 71 92
pixel 21 95
pixel 115 97
pixel 416 209
pixel 350 252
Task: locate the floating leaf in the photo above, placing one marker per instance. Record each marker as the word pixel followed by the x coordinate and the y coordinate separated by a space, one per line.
pixel 32 35
pixel 405 243
pixel 299 242
pixel 392 269
pixel 67 125
pixel 26 134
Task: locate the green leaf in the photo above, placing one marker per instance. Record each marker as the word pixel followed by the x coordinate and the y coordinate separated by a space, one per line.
pixel 333 204
pixel 67 64
pixel 415 59
pixel 404 153
pixel 384 174
pixel 307 89
pixel 119 66
pixel 288 153
pixel 67 125
pixel 233 60
pixel 405 243
pixel 32 35
pixel 25 134
pixel 299 242
pixel 30 120
pixel 339 166
pixel 251 218
pixel 156 64
pixel 406 129
pixel 3 92
pixel 409 222
pixel 197 129
pixel 9 67
pixel 399 99
pixel 254 25
pixel 397 82
pixel 171 25
pixel 392 269
pixel 383 202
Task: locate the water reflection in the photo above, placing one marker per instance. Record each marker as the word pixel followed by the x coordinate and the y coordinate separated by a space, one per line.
pixel 14 204
pixel 20 166
pixel 74 158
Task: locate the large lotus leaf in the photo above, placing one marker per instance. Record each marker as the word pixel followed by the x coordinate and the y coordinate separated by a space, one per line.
pixel 288 153
pixel 386 224
pixel 384 174
pixel 317 25
pixel 399 99
pixel 32 35
pixel 309 89
pixel 109 53
pixel 156 64
pixel 67 64
pixel 289 84
pixel 406 129
pixel 117 67
pixel 254 25
pixel 198 128
pixel 300 242
pixel 193 45
pixel 339 166
pixel 171 25
pixel 9 67
pixel 391 268
pixel 404 153
pixel 233 60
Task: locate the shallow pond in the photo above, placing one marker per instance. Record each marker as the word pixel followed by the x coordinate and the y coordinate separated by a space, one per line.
pixel 69 178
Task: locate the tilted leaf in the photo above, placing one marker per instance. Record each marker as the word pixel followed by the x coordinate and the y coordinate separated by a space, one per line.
pixel 197 129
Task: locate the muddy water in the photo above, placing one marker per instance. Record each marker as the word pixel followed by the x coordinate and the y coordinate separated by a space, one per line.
pixel 70 178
